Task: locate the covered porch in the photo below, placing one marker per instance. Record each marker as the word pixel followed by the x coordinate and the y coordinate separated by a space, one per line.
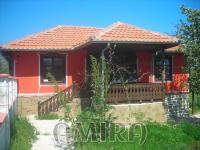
pixel 133 75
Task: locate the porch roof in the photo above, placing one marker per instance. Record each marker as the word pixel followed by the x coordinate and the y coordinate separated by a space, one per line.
pixel 74 37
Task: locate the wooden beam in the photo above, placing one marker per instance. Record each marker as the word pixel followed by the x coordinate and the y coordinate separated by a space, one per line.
pixel 163 67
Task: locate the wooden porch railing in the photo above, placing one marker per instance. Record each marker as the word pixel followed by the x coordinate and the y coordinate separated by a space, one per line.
pixel 53 103
pixel 137 92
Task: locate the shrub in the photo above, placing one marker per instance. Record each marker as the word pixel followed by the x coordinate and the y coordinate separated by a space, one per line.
pixel 191 130
pixel 22 134
pixel 49 116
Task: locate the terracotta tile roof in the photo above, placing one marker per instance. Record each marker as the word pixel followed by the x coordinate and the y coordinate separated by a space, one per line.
pixel 123 32
pixel 60 37
pixel 71 37
pixel 173 49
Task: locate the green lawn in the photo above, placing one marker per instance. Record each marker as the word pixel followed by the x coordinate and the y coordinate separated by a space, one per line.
pixel 159 137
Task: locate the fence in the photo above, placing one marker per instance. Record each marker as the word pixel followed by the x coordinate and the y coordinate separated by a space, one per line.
pixel 8 108
pixel 136 92
pixel 53 103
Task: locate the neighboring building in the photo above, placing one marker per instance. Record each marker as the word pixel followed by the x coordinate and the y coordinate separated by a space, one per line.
pixel 62 54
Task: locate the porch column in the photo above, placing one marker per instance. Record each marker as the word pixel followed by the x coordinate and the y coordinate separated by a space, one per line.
pixel 103 68
pixel 163 66
pixel 152 67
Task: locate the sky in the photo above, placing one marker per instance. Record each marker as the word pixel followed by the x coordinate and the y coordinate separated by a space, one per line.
pixel 19 18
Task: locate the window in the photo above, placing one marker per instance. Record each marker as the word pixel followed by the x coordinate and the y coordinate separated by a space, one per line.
pixel 124 67
pixel 52 68
pixel 8 63
pixel 159 66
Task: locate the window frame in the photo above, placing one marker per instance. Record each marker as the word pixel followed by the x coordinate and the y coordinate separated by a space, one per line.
pixel 170 58
pixel 9 58
pixel 42 66
pixel 134 64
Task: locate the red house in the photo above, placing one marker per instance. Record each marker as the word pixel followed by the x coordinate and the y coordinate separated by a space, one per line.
pixel 62 53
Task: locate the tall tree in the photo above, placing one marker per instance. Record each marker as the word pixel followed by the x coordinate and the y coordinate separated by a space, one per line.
pixel 189 35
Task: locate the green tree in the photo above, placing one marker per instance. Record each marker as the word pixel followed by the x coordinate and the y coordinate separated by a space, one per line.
pixel 99 86
pixel 189 35
pixel 4 67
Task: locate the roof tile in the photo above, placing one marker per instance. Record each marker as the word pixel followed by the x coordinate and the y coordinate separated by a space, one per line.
pixel 61 37
pixel 71 37
pixel 128 33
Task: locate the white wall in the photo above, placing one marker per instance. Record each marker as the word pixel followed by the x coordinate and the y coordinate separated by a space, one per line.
pixel 8 105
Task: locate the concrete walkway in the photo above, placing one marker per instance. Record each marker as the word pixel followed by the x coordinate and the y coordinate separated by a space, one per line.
pixel 196 115
pixel 45 139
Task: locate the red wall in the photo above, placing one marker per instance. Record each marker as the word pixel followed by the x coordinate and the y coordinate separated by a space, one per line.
pixel 27 71
pixel 76 66
pixel 180 78
pixel 144 66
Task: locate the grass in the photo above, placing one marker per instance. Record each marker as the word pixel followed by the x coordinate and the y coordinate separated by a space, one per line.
pixel 49 116
pixel 196 104
pixel 159 137
pixel 22 134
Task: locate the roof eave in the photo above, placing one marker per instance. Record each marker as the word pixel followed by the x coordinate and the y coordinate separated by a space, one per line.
pixel 38 49
pixel 173 52
pixel 77 47
pixel 136 42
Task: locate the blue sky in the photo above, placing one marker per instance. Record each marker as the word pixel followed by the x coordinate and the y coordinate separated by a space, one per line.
pixel 19 18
